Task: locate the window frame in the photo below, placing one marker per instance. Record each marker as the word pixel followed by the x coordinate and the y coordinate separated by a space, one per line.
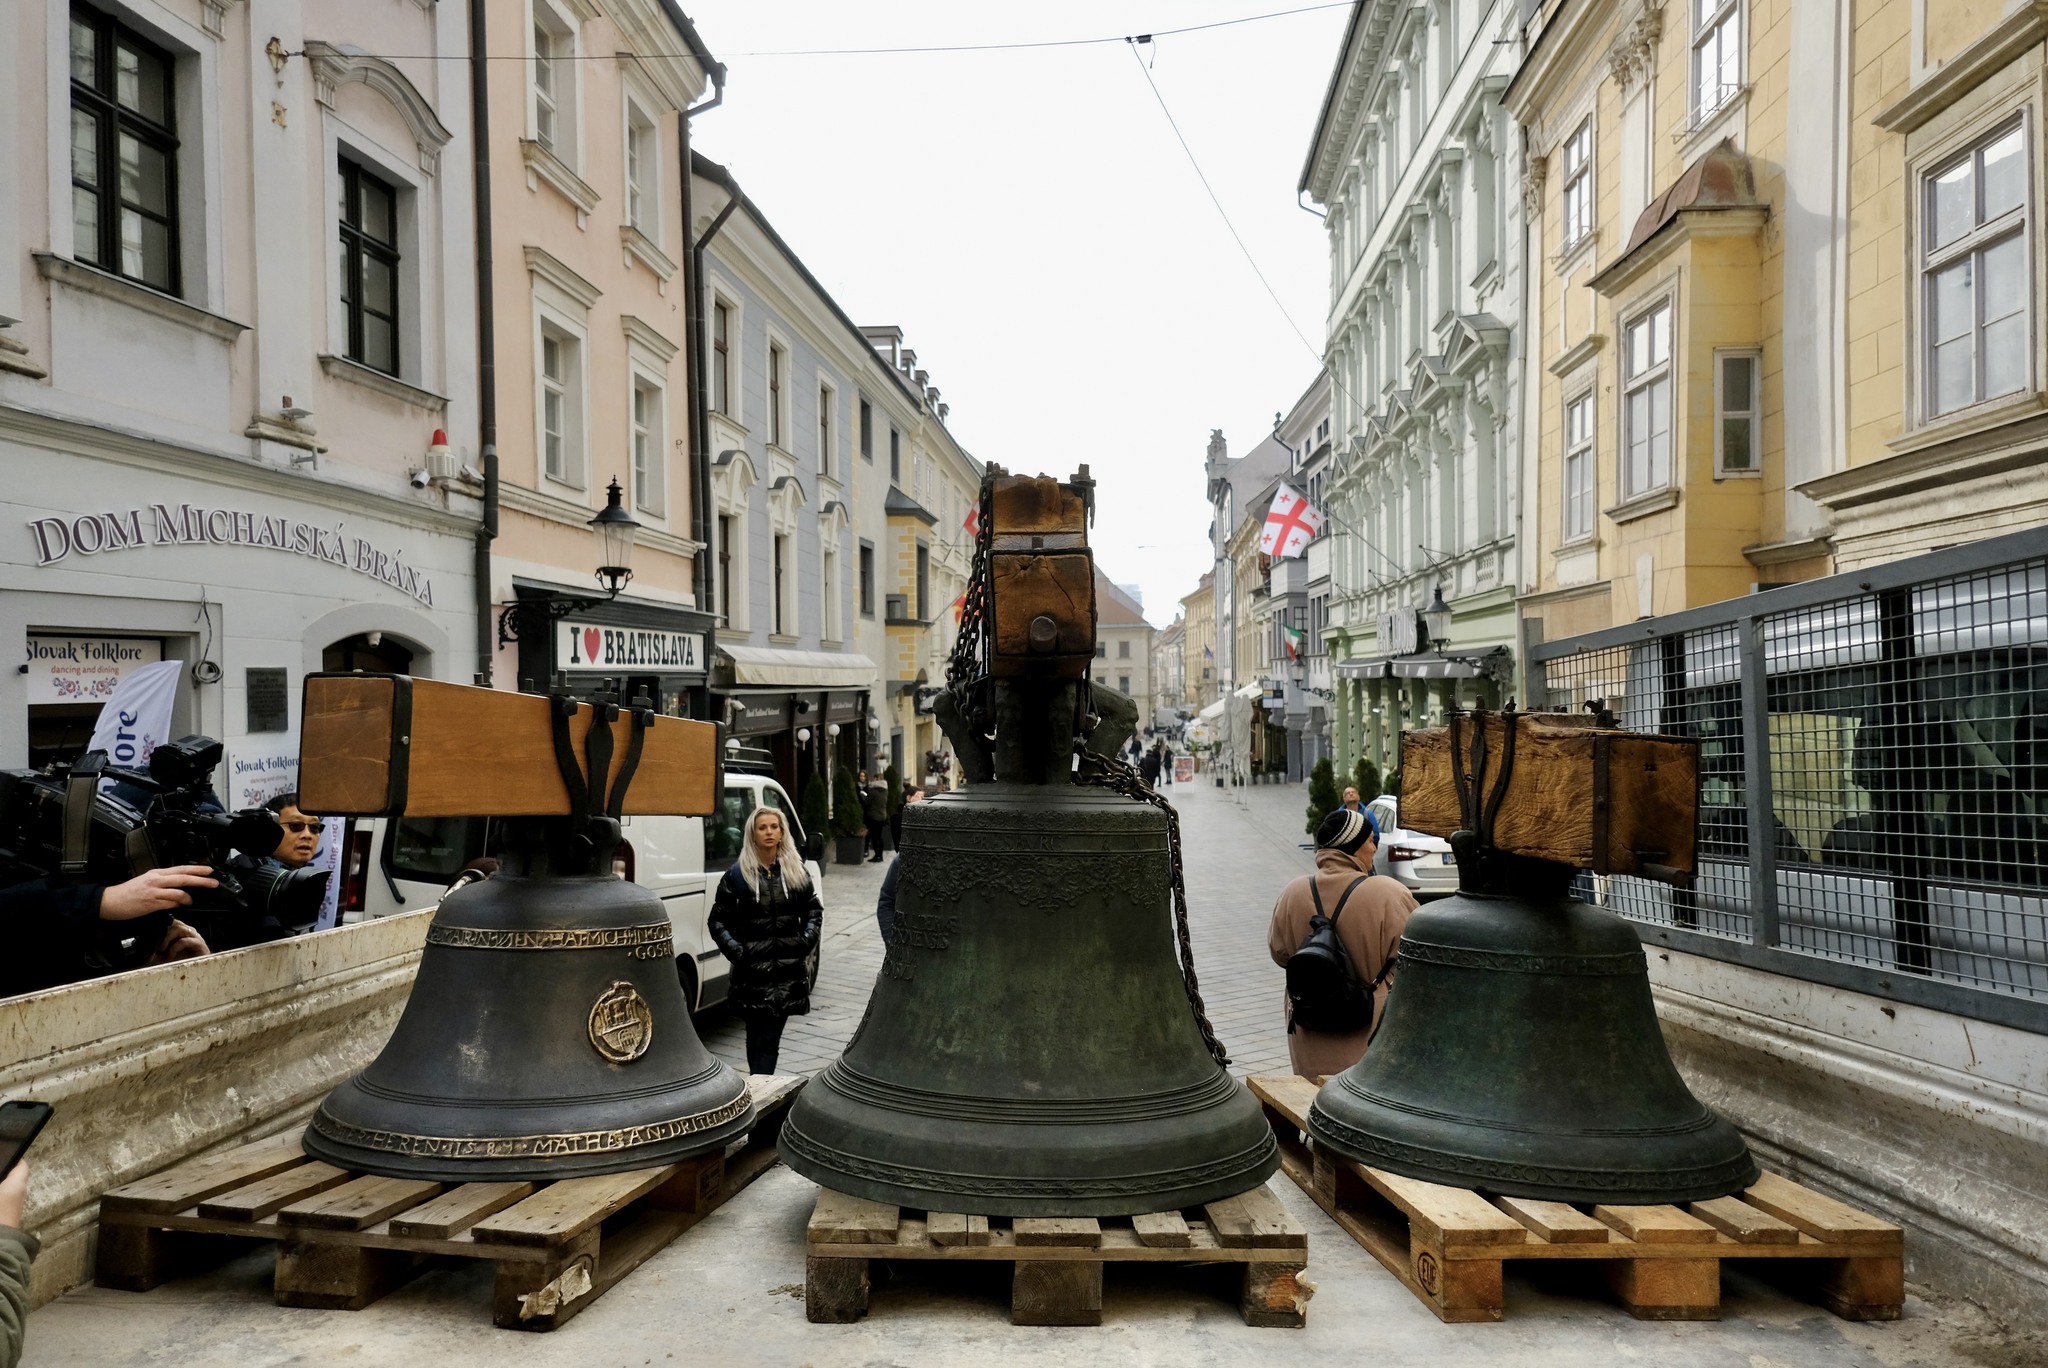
pixel 642 197
pixel 866 570
pixel 895 456
pixel 782 576
pixel 1754 414
pixel 563 139
pixel 1970 246
pixel 1587 453
pixel 1658 372
pixel 828 403
pixel 647 443
pixel 1577 184
pixel 1709 19
pixel 112 119
pixel 722 314
pixel 571 387
pixel 357 246
pixel 867 430
pixel 777 380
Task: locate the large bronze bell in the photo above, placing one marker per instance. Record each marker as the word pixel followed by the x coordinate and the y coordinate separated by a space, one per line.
pixel 1028 1050
pixel 1033 1045
pixel 546 1035
pixel 1519 1051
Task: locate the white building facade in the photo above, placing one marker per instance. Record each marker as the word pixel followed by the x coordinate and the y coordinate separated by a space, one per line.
pixel 236 304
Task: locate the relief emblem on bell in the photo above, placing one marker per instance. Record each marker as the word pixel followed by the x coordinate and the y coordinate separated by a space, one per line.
pixel 621 1023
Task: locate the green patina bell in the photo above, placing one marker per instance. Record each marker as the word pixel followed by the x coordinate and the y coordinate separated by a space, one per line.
pixel 1034 1045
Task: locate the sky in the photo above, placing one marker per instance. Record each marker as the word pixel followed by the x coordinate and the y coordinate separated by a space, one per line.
pixel 1030 221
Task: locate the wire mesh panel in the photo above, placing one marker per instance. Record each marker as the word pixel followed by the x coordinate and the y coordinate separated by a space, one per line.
pixel 1884 803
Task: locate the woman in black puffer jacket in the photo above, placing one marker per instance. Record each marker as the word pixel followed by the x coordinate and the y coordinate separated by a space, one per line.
pixel 766 920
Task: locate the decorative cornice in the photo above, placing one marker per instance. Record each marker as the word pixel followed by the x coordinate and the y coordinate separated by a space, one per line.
pixel 105 284
pixel 356 373
pixel 1535 176
pixel 335 65
pixel 543 165
pixel 551 269
pixel 214 15
pixel 641 248
pixel 2024 28
pixel 1578 354
pixel 643 334
pixel 1633 56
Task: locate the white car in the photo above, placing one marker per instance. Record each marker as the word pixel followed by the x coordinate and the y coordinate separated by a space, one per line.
pixel 392 865
pixel 1424 864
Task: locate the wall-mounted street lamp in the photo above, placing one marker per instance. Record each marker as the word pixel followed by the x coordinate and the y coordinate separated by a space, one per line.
pixel 1436 620
pixel 616 531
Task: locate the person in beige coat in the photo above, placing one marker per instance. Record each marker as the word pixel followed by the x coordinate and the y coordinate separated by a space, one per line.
pixel 1369 930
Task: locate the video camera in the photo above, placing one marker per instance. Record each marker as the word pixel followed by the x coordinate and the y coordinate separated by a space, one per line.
pixel 55 823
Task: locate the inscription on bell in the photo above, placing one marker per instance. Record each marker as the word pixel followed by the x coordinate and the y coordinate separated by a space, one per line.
pixel 621 1024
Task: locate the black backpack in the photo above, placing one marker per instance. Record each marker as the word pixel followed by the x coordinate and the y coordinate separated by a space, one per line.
pixel 1323 986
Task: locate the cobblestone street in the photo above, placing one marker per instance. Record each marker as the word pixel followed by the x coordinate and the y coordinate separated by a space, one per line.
pixel 1240 846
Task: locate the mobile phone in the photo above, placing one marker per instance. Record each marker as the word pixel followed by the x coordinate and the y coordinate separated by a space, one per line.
pixel 20 1123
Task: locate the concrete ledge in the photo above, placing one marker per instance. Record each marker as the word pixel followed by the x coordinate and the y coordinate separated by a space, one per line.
pixel 152 1067
pixel 1925 1118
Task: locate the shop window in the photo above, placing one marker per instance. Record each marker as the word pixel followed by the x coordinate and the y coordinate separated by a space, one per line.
pixel 369 267
pixel 1977 274
pixel 124 152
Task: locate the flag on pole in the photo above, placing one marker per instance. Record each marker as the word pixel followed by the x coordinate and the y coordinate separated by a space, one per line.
pixel 1290 523
pixel 137 718
pixel 959 609
pixel 973 523
pixel 1293 637
pixel 1208 654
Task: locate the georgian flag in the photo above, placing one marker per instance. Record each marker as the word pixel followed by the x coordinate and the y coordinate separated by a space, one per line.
pixel 1290 523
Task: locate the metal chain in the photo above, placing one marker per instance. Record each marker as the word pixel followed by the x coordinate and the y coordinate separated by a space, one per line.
pixel 1101 771
pixel 967 665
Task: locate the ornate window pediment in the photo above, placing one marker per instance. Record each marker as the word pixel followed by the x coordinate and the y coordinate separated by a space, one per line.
pixel 336 64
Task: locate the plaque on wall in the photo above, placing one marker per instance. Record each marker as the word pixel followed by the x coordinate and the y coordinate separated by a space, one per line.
pixel 270 705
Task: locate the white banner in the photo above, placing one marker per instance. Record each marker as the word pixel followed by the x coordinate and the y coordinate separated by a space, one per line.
pixel 137 718
pixel 259 770
pixel 620 650
pixel 75 669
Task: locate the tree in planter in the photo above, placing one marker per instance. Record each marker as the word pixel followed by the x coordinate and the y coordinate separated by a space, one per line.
pixel 1366 779
pixel 817 817
pixel 1322 793
pixel 846 818
pixel 893 782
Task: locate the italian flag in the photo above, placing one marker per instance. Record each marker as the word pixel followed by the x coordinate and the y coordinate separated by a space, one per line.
pixel 1294 637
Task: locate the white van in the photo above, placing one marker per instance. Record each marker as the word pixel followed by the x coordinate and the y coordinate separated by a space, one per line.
pixel 402 864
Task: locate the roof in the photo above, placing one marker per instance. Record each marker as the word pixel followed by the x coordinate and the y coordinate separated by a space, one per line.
pixel 1719 182
pixel 713 68
pixel 1113 607
pixel 901 505
pixel 1308 167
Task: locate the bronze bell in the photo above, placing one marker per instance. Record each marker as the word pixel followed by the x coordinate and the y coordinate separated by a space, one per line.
pixel 1033 1046
pixel 546 1035
pixel 1519 1051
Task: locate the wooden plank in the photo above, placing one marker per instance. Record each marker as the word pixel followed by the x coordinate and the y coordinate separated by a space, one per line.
pixel 1077 1232
pixel 1742 1222
pixel 839 1218
pixel 457 1210
pixel 1274 1295
pixel 1656 1224
pixel 1822 1217
pixel 951 1228
pixel 562 1211
pixel 261 1198
pixel 1557 1222
pixel 198 1179
pixel 1667 1289
pixel 338 1277
pixel 1255 1220
pixel 358 1203
pixel 1457 1215
pixel 835 1290
pixel 469 751
pixel 1056 1293
pixel 541 1295
pixel 1289 1094
pixel 1161 1230
pixel 1865 1288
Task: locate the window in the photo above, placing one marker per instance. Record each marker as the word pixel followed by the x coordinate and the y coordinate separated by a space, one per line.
pixel 924 582
pixel 1979 336
pixel 1123 650
pixel 867 431
pixel 548 51
pixel 1578 467
pixel 647 463
pixel 778 362
pixel 643 172
pixel 1102 650
pixel 369 267
pixel 826 401
pixel 124 153
pixel 725 522
pixel 782 615
pixel 561 388
pixel 1123 684
pixel 1716 54
pixel 1578 184
pixel 1738 429
pixel 1646 411
pixel 829 581
pixel 721 366
pixel 895 457
pixel 867 579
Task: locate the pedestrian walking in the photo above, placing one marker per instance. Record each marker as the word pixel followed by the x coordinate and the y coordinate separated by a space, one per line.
pixel 1148 768
pixel 874 805
pixel 766 919
pixel 1369 912
pixel 1165 762
pixel 1352 802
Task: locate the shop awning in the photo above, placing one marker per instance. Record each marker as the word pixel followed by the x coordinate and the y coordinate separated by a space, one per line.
pixel 1425 665
pixel 1252 690
pixel 1211 713
pixel 779 667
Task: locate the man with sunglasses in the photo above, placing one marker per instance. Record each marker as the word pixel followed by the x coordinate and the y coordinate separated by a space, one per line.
pixel 301 839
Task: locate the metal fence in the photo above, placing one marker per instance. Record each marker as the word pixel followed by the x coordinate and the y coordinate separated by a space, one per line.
pixel 1873 774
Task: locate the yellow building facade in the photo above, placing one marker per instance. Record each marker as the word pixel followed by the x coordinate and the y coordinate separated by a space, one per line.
pixel 1198 643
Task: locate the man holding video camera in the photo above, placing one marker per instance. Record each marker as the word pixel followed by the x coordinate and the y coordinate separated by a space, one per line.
pixel 55 928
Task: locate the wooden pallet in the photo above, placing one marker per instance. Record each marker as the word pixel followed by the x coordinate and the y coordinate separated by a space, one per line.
pixel 1058 1261
pixel 345 1239
pixel 1447 1244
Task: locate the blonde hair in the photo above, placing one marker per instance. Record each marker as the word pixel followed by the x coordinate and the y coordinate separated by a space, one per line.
pixel 787 860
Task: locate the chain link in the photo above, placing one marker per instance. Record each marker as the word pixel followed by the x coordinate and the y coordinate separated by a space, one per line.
pixel 968 663
pixel 1100 771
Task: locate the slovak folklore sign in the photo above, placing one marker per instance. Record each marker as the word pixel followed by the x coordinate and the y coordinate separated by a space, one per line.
pixel 75 669
pixel 641 650
pixel 93 534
